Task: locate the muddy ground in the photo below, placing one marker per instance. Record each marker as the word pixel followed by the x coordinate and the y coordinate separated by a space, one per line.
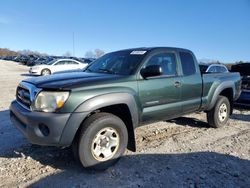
pixel 181 153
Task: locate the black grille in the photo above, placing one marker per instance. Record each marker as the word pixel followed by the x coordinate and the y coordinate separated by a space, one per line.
pixel 23 96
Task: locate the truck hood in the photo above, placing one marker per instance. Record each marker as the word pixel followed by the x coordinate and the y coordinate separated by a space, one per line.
pixel 71 80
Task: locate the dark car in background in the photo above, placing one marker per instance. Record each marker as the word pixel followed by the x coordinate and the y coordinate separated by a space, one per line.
pixel 35 59
pixel 32 59
pixel 23 59
pixel 87 60
pixel 9 58
pixel 40 61
pixel 244 70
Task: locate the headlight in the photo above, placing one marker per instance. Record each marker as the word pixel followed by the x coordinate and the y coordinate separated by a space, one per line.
pixel 49 101
pixel 35 68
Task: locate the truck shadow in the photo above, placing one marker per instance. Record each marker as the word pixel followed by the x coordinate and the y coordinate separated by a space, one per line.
pixel 241 117
pixel 10 137
pixel 187 121
pixel 242 107
pixel 199 169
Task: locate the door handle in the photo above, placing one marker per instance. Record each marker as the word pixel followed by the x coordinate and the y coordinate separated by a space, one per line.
pixel 177 84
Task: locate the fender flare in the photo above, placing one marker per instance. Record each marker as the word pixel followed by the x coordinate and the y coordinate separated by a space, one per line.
pixel 218 90
pixel 95 103
pixel 111 99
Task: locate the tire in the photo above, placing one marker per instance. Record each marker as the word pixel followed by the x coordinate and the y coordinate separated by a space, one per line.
pixel 99 131
pixel 219 115
pixel 45 72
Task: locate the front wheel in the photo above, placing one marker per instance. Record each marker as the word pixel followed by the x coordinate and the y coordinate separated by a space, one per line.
pixel 219 115
pixel 103 139
pixel 45 72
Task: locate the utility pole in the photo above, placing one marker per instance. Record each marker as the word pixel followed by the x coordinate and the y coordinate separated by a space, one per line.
pixel 73 44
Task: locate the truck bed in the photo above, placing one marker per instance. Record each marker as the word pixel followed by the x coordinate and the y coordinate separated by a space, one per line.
pixel 215 82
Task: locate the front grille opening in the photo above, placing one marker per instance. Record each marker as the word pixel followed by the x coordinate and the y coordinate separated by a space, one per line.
pixel 23 96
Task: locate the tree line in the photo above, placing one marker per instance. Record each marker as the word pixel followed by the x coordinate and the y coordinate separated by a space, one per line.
pixel 7 52
pixel 89 54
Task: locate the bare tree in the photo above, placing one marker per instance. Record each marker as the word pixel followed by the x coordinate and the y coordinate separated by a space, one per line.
pixel 96 54
pixel 67 54
pixel 89 54
pixel 30 52
pixel 99 53
pixel 7 52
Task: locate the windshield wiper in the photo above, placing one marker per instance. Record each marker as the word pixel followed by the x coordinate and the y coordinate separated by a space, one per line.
pixel 89 70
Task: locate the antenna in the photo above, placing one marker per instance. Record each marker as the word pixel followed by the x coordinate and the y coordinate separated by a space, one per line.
pixel 73 43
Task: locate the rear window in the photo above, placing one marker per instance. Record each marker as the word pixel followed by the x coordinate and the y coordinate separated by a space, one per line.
pixel 222 69
pixel 187 63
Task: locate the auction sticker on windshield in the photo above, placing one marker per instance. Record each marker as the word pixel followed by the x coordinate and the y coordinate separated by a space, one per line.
pixel 138 52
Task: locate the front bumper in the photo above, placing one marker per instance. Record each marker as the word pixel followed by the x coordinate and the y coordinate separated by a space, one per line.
pixel 51 129
pixel 34 72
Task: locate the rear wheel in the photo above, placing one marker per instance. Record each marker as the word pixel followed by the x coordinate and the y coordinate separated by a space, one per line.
pixel 219 115
pixel 103 139
pixel 45 72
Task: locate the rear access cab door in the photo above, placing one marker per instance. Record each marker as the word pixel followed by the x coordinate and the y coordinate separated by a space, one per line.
pixel 191 80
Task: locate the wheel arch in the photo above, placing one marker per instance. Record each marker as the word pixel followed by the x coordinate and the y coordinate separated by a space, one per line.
pixel 46 68
pixel 225 89
pixel 228 93
pixel 122 105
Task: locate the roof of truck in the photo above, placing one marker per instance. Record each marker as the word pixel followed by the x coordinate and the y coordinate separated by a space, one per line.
pixel 156 48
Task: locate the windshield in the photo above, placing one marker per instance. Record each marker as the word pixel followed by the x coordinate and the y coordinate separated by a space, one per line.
pixel 122 62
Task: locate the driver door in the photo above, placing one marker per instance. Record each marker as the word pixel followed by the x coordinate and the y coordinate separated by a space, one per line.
pixel 160 95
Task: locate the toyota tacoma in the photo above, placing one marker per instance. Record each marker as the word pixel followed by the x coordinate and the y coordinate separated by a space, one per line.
pixel 96 111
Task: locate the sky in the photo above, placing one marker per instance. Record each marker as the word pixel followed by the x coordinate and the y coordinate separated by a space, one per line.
pixel 212 29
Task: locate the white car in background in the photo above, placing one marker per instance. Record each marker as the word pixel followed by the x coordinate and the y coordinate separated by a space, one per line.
pixel 57 65
pixel 213 68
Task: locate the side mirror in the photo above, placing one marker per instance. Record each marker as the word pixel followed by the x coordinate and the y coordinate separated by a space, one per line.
pixel 151 71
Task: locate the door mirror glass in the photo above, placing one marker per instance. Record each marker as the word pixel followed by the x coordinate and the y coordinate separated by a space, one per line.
pixel 151 71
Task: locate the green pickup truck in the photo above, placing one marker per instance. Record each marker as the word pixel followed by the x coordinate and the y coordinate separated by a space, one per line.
pixel 96 111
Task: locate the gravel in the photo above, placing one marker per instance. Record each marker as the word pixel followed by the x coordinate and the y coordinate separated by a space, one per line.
pixel 184 152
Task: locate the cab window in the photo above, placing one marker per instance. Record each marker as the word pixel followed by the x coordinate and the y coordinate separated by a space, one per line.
pixel 72 63
pixel 187 63
pixel 60 63
pixel 167 61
